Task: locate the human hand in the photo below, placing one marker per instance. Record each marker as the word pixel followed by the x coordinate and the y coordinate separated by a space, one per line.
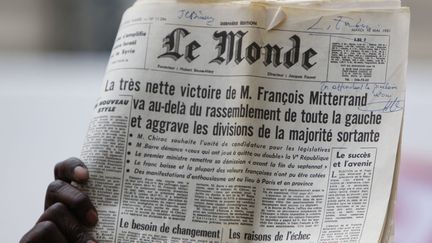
pixel 68 211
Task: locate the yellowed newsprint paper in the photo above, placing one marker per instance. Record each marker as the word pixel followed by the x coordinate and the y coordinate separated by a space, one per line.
pixel 250 121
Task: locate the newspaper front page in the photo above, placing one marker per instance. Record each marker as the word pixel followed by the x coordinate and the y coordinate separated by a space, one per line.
pixel 248 122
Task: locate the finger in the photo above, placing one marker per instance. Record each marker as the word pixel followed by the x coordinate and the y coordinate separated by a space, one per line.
pixel 44 232
pixel 78 202
pixel 71 169
pixel 60 215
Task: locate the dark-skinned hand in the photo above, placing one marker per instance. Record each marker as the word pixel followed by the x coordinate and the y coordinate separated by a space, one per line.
pixel 68 212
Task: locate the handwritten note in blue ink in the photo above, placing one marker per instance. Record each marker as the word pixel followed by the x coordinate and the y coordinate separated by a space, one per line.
pixel 385 106
pixel 339 22
pixel 383 90
pixel 196 15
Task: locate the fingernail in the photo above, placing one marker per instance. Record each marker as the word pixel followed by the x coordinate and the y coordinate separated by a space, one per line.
pixel 92 217
pixel 80 173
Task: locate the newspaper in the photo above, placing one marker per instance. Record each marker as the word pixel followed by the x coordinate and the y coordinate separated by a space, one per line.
pixel 238 121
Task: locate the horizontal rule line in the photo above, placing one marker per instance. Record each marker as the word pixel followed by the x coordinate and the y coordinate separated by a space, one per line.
pixel 284 30
pixel 245 75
